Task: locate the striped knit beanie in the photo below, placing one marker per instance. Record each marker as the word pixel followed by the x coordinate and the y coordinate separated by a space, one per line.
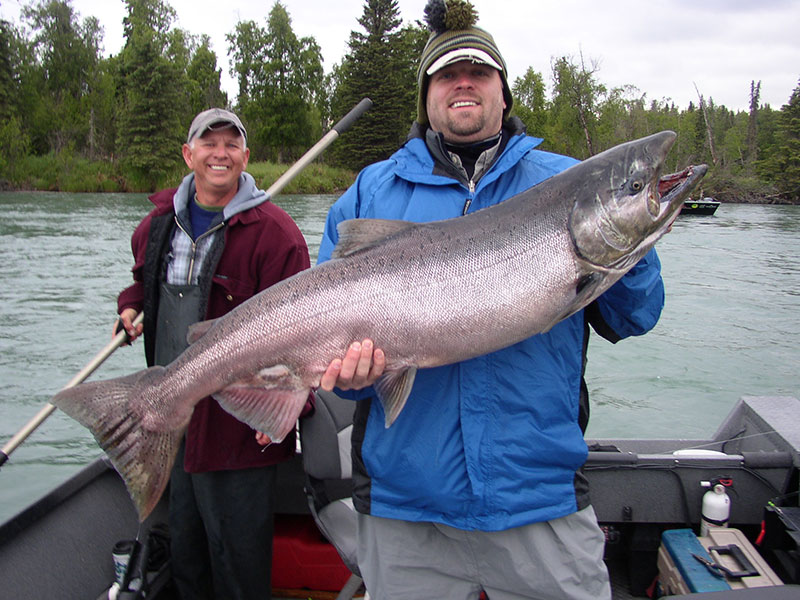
pixel 454 37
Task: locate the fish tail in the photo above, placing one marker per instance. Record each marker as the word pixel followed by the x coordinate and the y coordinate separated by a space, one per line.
pixel 142 457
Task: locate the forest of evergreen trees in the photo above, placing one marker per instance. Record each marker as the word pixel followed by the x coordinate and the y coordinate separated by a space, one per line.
pixel 122 118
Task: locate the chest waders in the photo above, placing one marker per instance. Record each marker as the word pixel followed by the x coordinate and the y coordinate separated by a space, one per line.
pixel 182 305
pixel 178 308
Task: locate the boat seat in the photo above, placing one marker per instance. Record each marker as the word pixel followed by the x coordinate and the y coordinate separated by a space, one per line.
pixel 778 592
pixel 325 443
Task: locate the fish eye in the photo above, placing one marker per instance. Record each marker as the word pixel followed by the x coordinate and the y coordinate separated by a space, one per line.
pixel 637 185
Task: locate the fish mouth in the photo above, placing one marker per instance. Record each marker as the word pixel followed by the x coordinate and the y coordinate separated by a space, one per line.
pixel 674 188
pixel 614 227
pixel 614 247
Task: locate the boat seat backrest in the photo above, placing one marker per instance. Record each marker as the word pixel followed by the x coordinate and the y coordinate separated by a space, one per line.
pixel 325 444
pixel 325 437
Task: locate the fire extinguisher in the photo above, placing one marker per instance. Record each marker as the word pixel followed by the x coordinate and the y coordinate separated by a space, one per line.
pixel 716 504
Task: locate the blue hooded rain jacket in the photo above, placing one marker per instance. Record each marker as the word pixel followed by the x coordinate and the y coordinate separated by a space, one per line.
pixel 496 441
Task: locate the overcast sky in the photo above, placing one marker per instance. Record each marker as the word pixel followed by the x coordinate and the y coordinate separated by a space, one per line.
pixel 664 47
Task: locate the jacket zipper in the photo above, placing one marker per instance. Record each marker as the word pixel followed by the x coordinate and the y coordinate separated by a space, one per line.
pixel 194 244
pixel 468 203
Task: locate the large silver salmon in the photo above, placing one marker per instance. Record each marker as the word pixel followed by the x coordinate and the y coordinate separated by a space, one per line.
pixel 427 294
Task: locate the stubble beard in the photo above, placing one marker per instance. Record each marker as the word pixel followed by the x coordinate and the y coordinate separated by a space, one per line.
pixel 465 127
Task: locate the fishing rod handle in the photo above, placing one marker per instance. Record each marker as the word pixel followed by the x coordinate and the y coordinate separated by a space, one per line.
pixel 313 152
pixel 355 113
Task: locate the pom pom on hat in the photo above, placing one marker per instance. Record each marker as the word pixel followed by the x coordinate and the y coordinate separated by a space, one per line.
pixel 455 14
pixel 435 15
pixel 454 37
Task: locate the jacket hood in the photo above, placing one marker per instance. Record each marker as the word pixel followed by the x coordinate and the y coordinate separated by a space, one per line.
pixel 416 161
pixel 247 197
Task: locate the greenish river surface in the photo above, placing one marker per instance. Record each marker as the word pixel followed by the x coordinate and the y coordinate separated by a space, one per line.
pixel 730 326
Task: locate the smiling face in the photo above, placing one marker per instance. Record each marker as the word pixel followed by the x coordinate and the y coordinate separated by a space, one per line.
pixel 465 102
pixel 217 158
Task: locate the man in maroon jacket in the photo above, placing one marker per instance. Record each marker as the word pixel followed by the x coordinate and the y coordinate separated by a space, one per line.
pixel 204 249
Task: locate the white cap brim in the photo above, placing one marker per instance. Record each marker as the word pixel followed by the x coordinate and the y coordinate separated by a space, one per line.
pixel 471 54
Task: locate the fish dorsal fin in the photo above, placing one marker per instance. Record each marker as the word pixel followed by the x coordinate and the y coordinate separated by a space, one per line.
pixel 357 234
pixel 198 330
pixel 393 390
pixel 270 401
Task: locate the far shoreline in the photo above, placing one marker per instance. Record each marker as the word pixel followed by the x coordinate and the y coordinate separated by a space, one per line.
pixel 89 177
pixel 320 188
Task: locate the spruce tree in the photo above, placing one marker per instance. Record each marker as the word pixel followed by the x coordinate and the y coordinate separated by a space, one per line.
pixel 787 157
pixel 205 78
pixel 381 65
pixel 7 83
pixel 151 126
pixel 752 126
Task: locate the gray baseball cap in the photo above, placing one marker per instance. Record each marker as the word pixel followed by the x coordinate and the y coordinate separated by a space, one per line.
pixel 214 116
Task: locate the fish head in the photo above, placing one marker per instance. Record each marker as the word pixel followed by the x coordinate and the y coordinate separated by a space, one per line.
pixel 624 204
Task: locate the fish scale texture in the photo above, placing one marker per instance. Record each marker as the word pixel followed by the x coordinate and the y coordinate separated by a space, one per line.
pixel 427 294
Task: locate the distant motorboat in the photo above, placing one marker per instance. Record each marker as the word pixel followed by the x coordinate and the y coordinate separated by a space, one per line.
pixel 706 206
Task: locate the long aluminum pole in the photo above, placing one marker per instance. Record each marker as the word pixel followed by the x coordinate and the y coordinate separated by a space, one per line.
pixel 313 152
pixel 119 339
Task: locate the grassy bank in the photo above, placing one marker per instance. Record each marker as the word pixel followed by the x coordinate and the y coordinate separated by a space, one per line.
pixel 65 173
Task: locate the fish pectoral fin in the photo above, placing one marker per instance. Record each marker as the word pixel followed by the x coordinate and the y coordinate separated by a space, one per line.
pixel 586 290
pixel 198 330
pixel 393 390
pixel 357 234
pixel 270 401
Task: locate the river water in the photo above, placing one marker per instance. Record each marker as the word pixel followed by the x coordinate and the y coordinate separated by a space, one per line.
pixel 729 328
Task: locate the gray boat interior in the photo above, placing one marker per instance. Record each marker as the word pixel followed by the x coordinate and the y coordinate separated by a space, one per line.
pixel 60 546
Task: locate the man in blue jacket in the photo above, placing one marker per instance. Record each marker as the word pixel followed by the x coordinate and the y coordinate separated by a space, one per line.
pixel 477 485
